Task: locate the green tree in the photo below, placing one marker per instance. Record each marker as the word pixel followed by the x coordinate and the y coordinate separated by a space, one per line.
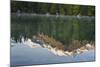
pixel 53 9
pixel 75 9
pixel 62 10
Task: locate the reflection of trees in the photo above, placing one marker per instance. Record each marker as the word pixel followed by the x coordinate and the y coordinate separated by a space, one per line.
pixel 44 8
pixel 64 29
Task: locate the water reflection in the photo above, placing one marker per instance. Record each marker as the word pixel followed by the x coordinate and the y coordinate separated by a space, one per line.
pixel 65 30
pixel 62 28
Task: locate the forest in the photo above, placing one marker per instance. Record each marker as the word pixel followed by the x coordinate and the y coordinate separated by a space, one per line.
pixel 75 29
pixel 52 8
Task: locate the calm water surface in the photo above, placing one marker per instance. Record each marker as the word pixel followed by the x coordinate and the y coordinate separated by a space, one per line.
pixel 63 29
pixel 24 55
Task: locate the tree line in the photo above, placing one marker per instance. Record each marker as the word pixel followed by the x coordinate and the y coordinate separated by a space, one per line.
pixel 52 8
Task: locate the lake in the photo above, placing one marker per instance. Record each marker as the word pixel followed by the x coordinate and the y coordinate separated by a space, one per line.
pixel 63 28
pixel 22 55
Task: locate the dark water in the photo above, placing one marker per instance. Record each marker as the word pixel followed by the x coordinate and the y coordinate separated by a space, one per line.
pixel 62 28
